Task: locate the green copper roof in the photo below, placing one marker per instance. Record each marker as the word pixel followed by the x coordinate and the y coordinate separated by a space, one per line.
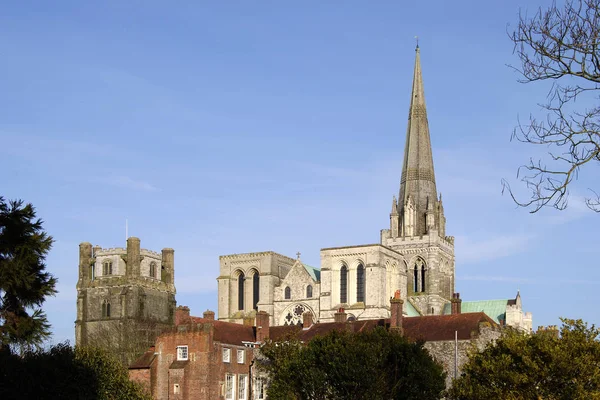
pixel 495 309
pixel 313 272
pixel 411 311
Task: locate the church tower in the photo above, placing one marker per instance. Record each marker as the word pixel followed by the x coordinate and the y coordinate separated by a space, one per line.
pixel 125 297
pixel 417 221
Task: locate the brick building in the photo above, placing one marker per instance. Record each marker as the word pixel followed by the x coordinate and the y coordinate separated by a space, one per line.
pixel 202 358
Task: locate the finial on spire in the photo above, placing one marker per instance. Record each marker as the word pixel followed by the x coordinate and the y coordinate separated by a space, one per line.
pixel 417 39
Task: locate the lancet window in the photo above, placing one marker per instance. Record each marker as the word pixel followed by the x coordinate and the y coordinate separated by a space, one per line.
pixel 360 283
pixel 344 284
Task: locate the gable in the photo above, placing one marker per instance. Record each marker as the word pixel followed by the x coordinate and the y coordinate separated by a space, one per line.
pixel 303 273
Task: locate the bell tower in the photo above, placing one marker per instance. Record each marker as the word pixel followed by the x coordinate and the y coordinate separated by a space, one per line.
pixel 125 297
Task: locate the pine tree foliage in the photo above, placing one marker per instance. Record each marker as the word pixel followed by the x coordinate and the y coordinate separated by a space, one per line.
pixel 24 282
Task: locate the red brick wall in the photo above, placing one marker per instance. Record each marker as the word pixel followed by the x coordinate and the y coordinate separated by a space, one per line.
pixel 203 376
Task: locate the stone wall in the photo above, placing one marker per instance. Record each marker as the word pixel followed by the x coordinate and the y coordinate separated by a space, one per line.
pixel 444 351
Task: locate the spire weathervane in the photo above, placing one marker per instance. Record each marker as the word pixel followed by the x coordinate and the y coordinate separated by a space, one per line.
pixel 417 39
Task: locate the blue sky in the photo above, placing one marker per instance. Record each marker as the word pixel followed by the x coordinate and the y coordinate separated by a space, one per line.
pixel 229 127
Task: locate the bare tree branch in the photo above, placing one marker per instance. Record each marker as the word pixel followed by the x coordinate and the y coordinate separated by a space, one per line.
pixel 562 45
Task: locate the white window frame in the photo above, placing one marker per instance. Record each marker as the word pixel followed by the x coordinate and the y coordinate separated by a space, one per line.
pixel 241 356
pixel 242 386
pixel 259 388
pixel 182 353
pixel 230 390
pixel 226 355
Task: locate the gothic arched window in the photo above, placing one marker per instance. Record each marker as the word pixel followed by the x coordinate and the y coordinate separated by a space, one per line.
pixel 344 284
pixel 107 268
pixel 360 283
pixel 105 309
pixel 241 279
pixel 255 290
pixel 153 270
pixel 416 280
pixel 309 291
pixel 419 275
pixel 287 293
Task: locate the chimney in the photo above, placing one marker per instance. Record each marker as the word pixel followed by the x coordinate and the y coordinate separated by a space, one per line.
pixel 210 315
pixel 133 257
pixel 340 316
pixel 262 326
pixel 455 303
pixel 307 320
pixel 182 315
pixel 396 312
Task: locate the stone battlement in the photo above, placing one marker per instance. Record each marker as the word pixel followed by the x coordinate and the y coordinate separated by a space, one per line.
pixel 111 251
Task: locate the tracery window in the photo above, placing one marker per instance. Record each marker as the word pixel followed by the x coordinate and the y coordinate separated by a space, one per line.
pixel 295 315
pixel 309 291
pixel 241 279
pixel 287 293
pixel 107 268
pixel 344 284
pixel 255 290
pixel 360 283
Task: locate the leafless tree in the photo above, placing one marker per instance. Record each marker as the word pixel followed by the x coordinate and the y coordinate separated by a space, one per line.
pixel 128 339
pixel 560 44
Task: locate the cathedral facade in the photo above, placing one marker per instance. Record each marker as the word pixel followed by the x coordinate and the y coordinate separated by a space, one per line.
pixel 413 255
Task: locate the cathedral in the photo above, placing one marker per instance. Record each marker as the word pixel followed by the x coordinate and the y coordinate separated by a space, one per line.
pixel 129 293
pixel 414 256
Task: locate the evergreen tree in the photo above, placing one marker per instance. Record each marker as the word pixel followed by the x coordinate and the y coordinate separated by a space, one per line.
pixel 24 284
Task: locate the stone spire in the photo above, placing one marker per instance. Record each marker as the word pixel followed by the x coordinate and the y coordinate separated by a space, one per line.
pixel 418 178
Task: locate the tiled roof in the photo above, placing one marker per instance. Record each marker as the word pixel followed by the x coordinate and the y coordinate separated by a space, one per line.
pixel 144 361
pixel 428 328
pixel 228 332
pixel 313 272
pixel 495 309
pixel 442 327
